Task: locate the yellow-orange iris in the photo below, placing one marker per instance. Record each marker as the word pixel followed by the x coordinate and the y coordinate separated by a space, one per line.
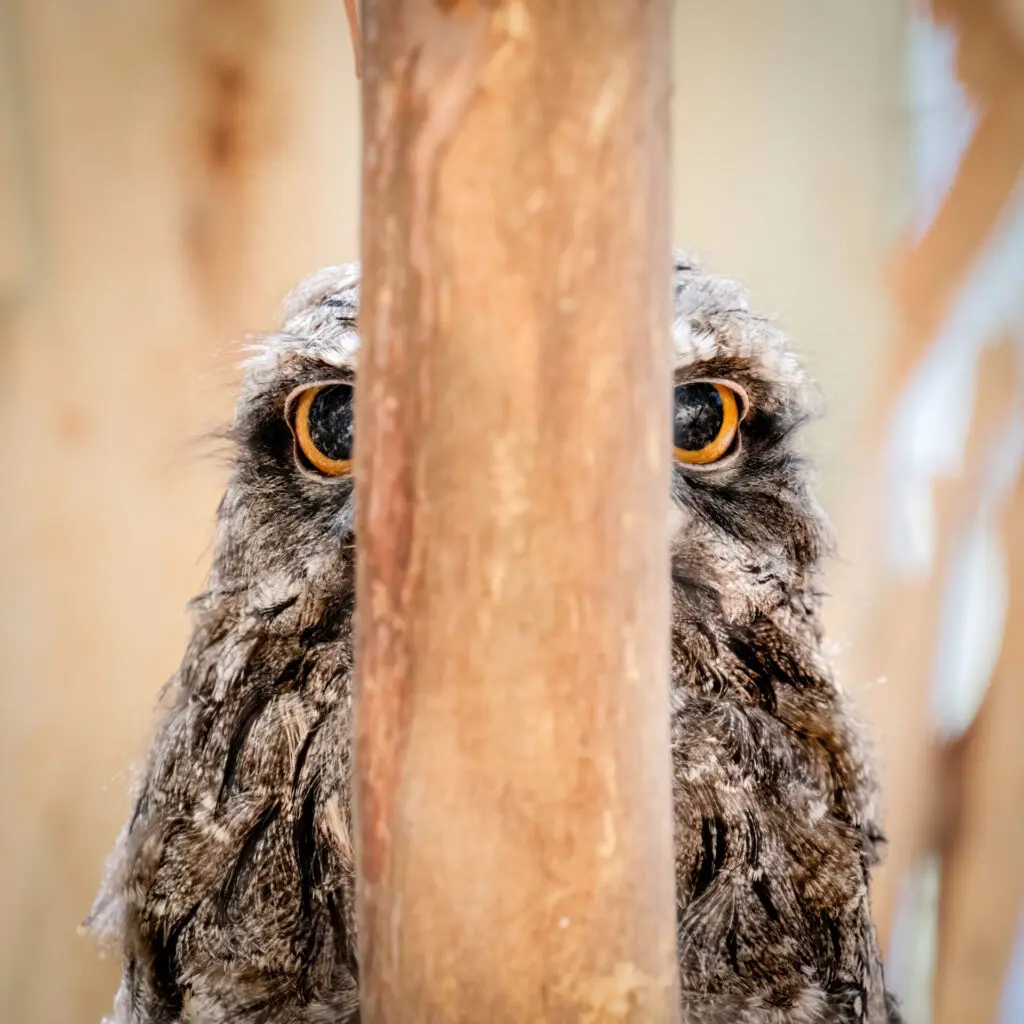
pixel 315 457
pixel 713 451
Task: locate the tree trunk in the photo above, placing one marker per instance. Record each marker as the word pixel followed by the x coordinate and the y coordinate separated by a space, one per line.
pixel 513 792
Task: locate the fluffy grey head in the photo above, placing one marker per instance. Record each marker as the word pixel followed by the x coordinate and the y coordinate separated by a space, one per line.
pixel 745 527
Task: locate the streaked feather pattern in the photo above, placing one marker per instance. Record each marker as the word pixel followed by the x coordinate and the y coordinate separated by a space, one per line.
pixel 230 890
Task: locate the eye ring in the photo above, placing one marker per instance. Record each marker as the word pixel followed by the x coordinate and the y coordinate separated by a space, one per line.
pixel 297 412
pixel 734 408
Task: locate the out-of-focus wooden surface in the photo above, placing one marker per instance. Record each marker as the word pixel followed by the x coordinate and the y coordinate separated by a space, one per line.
pixel 188 162
pixel 983 842
pixel 167 172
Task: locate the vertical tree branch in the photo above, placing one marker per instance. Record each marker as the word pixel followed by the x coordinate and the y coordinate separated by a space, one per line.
pixel 513 778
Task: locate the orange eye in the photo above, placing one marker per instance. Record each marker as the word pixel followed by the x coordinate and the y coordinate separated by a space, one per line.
pixel 707 417
pixel 322 421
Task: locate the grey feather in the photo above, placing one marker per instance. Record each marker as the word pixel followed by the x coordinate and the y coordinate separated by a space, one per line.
pixel 230 891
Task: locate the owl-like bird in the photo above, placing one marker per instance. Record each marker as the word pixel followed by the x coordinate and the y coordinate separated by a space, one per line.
pixel 230 891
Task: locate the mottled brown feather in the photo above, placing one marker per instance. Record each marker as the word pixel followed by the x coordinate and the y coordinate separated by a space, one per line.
pixel 231 888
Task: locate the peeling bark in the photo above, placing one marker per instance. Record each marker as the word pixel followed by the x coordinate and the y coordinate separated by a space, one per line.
pixel 513 791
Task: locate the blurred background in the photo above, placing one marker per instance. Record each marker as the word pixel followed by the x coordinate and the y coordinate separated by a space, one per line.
pixel 169 170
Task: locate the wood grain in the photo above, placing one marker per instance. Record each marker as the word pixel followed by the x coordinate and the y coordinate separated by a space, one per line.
pixel 117 357
pixel 513 795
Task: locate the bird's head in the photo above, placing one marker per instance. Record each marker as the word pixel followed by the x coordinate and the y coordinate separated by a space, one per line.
pixel 286 520
pixel 746 533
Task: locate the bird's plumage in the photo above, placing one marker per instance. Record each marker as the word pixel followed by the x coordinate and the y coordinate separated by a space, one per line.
pixel 230 891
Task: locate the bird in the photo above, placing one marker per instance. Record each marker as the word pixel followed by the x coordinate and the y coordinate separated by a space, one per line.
pixel 229 894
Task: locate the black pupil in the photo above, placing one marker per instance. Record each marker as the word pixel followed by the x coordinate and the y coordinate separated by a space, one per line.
pixel 330 422
pixel 698 417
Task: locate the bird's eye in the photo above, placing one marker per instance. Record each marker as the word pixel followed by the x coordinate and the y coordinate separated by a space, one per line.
pixel 706 420
pixel 322 421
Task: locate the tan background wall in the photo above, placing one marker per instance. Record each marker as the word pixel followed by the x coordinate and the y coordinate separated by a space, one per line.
pixel 169 170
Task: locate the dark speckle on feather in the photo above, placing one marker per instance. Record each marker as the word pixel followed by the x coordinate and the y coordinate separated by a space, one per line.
pixel 234 880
